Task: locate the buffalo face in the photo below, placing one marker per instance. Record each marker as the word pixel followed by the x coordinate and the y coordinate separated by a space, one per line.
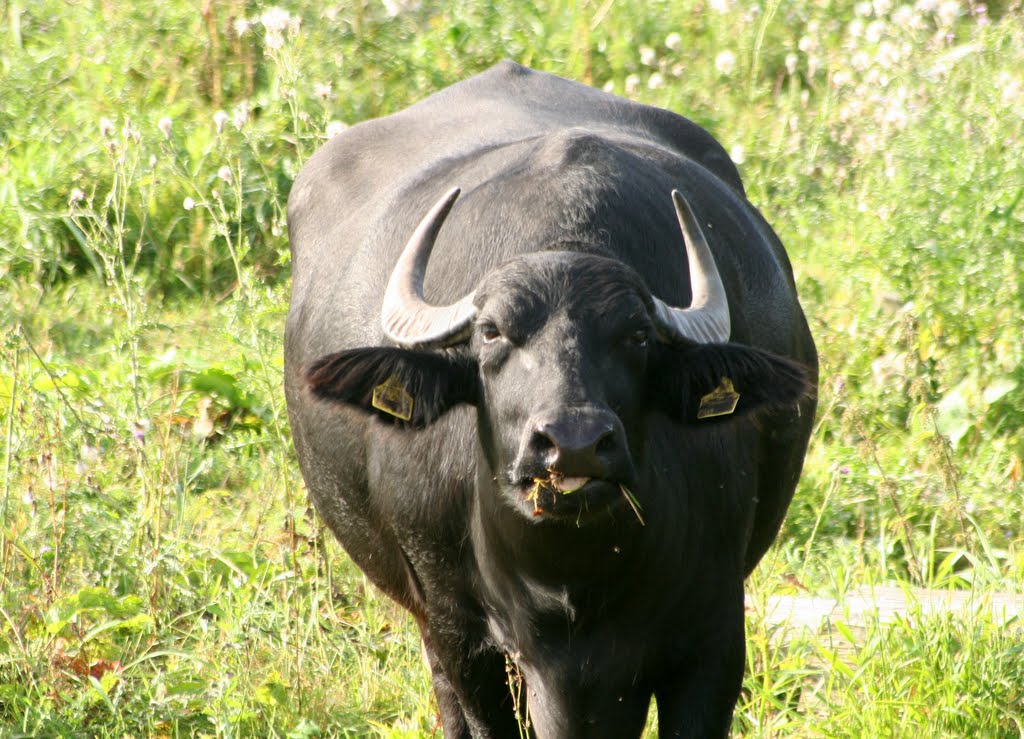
pixel 561 341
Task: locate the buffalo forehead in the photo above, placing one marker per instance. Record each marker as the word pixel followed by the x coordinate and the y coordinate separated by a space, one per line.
pixel 527 291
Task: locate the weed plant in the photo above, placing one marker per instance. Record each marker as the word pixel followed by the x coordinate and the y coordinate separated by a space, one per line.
pixel 160 571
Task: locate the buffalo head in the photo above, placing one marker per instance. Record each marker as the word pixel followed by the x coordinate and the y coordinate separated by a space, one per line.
pixel 565 355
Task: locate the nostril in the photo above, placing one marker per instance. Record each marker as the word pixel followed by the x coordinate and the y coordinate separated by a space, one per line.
pixel 606 444
pixel 541 443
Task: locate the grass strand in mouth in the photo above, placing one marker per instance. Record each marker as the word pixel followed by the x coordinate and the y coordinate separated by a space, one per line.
pixel 534 495
pixel 565 484
pixel 556 483
pixel 633 503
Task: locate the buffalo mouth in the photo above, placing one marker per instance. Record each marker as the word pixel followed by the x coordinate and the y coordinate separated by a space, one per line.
pixel 553 495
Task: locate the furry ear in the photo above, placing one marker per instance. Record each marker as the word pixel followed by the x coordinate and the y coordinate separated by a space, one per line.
pixel 699 383
pixel 400 385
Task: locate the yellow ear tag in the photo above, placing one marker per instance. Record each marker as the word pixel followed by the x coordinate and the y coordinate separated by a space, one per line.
pixel 390 396
pixel 719 402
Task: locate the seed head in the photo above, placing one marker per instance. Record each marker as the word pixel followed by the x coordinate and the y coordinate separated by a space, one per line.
pixel 165 124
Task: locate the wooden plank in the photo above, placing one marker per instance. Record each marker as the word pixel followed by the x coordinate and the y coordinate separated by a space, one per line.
pixel 861 605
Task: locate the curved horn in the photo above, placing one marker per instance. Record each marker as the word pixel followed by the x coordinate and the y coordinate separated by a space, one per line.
pixel 407 318
pixel 707 318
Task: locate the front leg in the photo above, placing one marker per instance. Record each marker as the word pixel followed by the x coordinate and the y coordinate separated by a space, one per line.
pixel 700 699
pixel 572 704
pixel 471 686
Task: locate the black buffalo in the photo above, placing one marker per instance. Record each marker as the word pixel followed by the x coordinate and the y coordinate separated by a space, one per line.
pixel 558 417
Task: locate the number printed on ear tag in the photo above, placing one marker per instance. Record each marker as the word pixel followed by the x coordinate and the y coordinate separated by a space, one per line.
pixel 719 402
pixel 391 397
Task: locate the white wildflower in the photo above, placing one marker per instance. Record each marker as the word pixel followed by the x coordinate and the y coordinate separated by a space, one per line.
pixel 188 204
pixel 888 54
pixel 396 7
pixel 791 62
pixel 224 173
pixel 905 17
pixel 322 90
pixel 1011 87
pixel 107 127
pixel 241 116
pixel 334 128
pixel 875 77
pixel 674 42
pixel 874 32
pixel 647 57
pixel 841 78
pixel 881 7
pixel 220 118
pixel 856 28
pixel 863 8
pixel 895 114
pixel 275 20
pixel 926 6
pixel 632 84
pixel 725 62
pixel 129 132
pixel 165 124
pixel 947 13
pixel 76 196
pixel 860 61
pixel 89 454
pixel 242 26
pixel 656 81
pixel 609 86
pixel 720 6
pixel 738 154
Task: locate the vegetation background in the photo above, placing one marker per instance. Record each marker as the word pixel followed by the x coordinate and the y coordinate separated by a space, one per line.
pixel 160 573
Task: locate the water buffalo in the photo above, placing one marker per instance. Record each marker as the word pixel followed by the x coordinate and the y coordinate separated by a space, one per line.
pixel 558 414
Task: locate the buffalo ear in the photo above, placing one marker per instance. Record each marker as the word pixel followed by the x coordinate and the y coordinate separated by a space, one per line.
pixel 689 381
pixel 400 385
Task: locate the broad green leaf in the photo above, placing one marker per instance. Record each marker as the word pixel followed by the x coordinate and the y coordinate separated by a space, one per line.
pixel 272 692
pixel 953 417
pixel 6 393
pixel 139 623
pixel 997 389
pixel 220 383
pixel 305 729
pixel 63 379
pixel 128 607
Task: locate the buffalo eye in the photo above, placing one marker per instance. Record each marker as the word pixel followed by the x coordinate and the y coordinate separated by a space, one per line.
pixel 489 333
pixel 638 338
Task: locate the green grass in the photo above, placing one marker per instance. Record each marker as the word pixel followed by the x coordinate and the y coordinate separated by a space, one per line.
pixel 160 572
